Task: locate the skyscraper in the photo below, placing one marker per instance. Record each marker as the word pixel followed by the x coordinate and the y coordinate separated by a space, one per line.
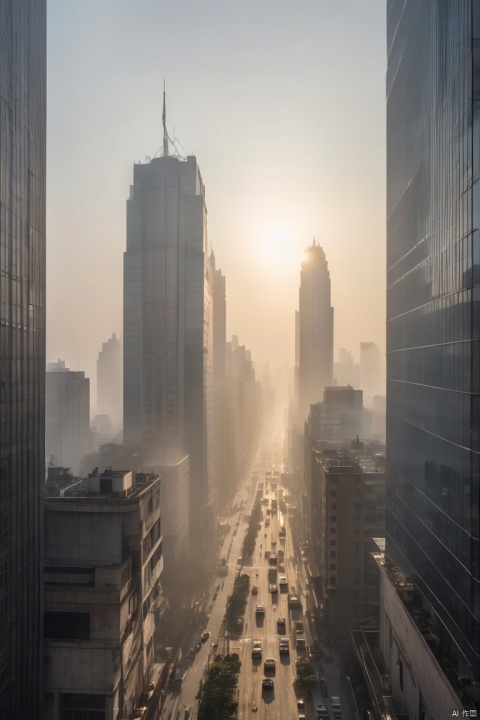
pixel 371 371
pixel 109 379
pixel 67 416
pixel 168 339
pixel 315 330
pixel 433 321
pixel 22 353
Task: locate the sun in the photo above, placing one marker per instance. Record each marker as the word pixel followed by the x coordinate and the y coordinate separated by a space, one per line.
pixel 279 248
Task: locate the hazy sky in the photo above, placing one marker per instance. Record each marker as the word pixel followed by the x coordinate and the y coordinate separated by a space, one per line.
pixel 283 104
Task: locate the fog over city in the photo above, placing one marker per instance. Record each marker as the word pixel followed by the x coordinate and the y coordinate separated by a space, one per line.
pixel 283 105
pixel 239 359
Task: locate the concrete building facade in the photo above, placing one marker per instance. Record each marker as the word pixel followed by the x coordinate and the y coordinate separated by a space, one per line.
pixel 110 380
pixel 340 418
pixel 175 513
pixel 348 510
pixel 103 564
pixel 67 416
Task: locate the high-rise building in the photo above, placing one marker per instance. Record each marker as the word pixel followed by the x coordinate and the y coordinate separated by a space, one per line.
pixel 22 353
pixel 348 510
pixel 222 489
pixel 315 330
pixel 244 409
pixel 433 350
pixel 371 371
pixel 346 371
pixel 67 416
pixel 340 418
pixel 109 380
pixel 103 568
pixel 168 338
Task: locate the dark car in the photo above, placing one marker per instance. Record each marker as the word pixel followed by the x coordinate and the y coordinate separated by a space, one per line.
pixel 205 636
pixel 267 684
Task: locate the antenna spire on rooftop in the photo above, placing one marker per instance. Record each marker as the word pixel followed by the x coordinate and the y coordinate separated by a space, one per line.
pixel 164 120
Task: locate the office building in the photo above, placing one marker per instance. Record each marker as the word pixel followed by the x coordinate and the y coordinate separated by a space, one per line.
pixel 175 515
pixel 103 565
pixel 110 380
pixel 244 409
pixel 315 330
pixel 168 338
pixel 222 490
pixel 22 353
pixel 371 371
pixel 346 370
pixel 67 416
pixel 340 418
pixel 433 351
pixel 348 511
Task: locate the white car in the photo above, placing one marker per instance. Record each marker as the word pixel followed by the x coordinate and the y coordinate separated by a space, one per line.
pixel 282 580
pixel 257 649
pixel 260 610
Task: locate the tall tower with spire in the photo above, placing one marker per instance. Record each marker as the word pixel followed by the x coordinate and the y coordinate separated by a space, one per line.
pixel 168 348
pixel 164 121
pixel 314 330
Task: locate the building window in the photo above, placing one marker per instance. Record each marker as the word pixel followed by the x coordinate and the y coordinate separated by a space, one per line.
pixel 332 553
pixel 400 673
pixel 66 625
pixel 332 531
pixel 82 706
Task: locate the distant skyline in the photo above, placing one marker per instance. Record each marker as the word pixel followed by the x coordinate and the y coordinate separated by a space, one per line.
pixel 282 103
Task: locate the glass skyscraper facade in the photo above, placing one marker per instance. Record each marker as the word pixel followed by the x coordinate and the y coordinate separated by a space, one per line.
pixel 433 311
pixel 22 353
pixel 168 334
pixel 314 331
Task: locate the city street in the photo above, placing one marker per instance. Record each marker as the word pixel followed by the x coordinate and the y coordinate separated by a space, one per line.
pixel 280 702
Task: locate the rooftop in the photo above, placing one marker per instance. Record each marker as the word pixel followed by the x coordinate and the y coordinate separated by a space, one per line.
pixel 126 492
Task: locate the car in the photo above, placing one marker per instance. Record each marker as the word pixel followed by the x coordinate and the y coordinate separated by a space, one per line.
pixel 267 684
pixel 272 588
pixel 280 621
pixel 336 707
pixel 260 609
pixel 205 636
pixel 255 590
pixel 269 664
pixel 257 649
pixel 283 580
pixel 301 704
pixel 322 712
pixel 301 717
